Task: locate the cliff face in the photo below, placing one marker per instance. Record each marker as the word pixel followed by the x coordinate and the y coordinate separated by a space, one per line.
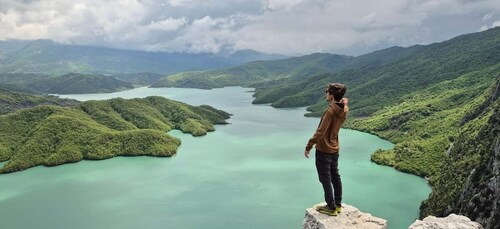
pixel 480 198
pixel 469 183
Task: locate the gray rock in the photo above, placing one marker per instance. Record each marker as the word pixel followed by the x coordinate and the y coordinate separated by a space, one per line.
pixel 349 218
pixel 450 222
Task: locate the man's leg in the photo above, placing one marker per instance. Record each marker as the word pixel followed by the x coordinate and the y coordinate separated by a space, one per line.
pixel 323 164
pixel 336 181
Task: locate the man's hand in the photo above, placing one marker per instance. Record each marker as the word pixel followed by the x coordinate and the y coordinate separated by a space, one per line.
pixel 306 153
pixel 345 101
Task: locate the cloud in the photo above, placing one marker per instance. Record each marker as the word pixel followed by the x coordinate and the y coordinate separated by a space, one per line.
pixel 488 16
pixel 281 4
pixel 176 3
pixel 292 27
pixel 169 24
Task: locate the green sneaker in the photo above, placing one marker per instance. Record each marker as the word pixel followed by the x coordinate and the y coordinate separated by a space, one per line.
pixel 338 209
pixel 326 210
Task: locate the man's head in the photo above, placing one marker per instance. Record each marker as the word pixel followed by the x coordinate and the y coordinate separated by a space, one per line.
pixel 335 91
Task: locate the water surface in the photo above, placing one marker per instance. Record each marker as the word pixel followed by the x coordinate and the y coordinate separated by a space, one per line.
pixel 248 174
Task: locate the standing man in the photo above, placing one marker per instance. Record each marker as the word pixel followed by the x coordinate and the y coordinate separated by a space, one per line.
pixel 327 147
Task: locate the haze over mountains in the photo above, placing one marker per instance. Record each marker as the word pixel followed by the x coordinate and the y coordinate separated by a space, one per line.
pixel 48 57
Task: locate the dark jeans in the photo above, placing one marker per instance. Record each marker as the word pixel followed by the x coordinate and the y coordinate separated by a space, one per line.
pixel 328 173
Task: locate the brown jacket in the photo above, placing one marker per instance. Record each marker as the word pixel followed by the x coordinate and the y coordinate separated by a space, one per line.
pixel 326 137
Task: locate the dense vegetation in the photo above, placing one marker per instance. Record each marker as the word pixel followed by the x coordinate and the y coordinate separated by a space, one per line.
pixel 47 57
pixel 53 135
pixel 424 123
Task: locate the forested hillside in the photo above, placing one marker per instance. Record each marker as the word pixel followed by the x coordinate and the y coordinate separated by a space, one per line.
pixel 469 181
pixel 54 135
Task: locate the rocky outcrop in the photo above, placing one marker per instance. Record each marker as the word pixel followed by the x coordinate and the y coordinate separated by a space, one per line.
pixel 353 218
pixel 450 222
pixel 350 217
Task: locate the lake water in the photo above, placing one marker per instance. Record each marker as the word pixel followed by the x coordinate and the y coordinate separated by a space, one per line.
pixel 248 174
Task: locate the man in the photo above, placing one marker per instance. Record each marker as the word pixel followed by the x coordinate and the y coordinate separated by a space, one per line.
pixel 327 147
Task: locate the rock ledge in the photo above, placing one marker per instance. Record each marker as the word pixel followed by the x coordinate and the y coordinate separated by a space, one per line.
pixel 450 222
pixel 350 217
pixel 353 218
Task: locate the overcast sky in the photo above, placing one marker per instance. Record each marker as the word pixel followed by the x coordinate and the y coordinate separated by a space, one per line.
pixel 291 27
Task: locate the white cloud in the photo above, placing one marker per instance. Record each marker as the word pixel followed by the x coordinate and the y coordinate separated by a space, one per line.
pixel 169 24
pixel 488 16
pixel 493 25
pixel 281 4
pixel 176 3
pixel 274 26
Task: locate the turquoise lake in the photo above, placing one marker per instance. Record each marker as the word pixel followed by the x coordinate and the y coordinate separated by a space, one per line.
pixel 250 173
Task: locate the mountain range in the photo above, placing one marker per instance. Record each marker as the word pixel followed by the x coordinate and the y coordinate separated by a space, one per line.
pixel 51 58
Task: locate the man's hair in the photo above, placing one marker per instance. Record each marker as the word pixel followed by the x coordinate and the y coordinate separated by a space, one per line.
pixel 337 90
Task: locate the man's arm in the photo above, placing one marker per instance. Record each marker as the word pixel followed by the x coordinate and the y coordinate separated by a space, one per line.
pixel 323 126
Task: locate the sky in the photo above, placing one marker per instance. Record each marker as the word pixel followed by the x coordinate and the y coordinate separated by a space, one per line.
pixel 288 27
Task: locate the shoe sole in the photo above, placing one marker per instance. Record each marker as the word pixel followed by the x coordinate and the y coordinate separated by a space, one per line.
pixel 328 213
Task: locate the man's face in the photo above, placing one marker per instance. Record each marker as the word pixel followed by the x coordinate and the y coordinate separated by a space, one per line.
pixel 328 96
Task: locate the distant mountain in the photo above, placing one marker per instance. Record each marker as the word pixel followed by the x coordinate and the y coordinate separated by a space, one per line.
pixel 139 79
pixel 257 72
pixel 9 46
pixel 48 57
pixel 13 100
pixel 76 83
pixel 248 55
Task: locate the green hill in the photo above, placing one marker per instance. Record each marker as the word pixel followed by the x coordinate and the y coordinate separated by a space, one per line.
pixel 53 135
pixel 424 123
